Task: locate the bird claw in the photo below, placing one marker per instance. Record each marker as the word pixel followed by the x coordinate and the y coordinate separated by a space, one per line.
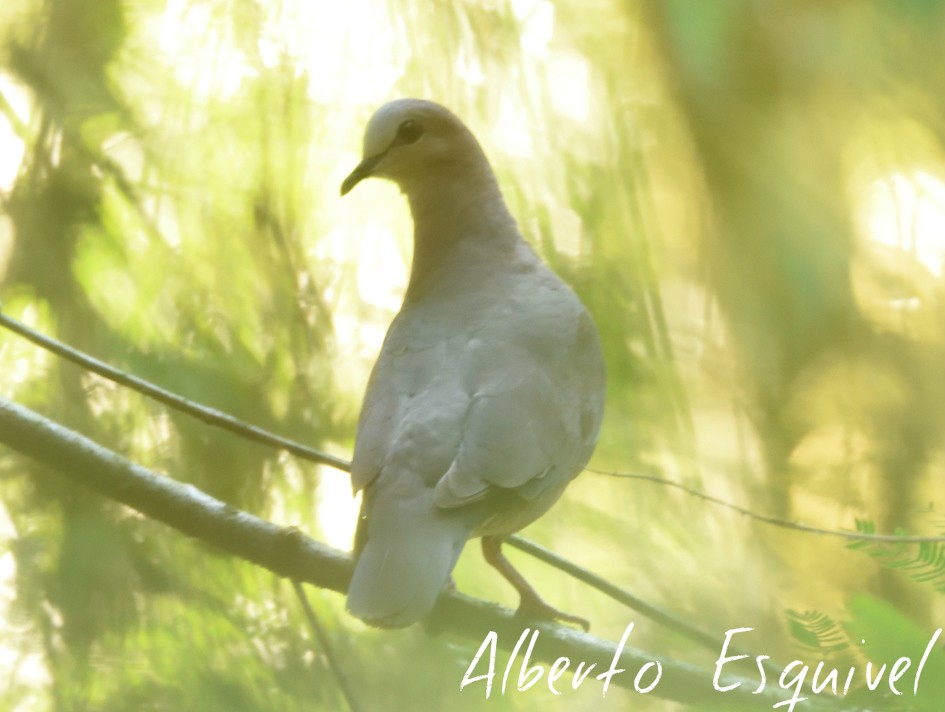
pixel 531 605
pixel 536 608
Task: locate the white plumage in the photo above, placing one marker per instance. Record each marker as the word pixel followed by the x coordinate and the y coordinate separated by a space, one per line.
pixel 488 393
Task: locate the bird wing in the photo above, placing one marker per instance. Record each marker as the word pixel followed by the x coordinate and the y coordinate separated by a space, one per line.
pixel 533 416
pixel 412 411
pixel 511 402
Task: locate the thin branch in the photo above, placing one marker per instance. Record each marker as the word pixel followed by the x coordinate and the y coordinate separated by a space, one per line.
pixel 227 422
pixel 634 603
pixel 291 554
pixel 182 506
pixel 321 636
pixel 776 521
pixel 211 416
pixel 615 592
pixel 231 424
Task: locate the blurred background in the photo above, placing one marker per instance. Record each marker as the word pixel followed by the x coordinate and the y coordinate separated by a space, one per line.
pixel 748 195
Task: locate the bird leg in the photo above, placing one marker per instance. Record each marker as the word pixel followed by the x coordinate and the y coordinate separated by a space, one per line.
pixel 530 603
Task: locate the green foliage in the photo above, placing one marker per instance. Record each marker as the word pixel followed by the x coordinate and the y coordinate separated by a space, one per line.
pixel 817 632
pixel 873 630
pixel 874 633
pixel 747 195
pixel 923 562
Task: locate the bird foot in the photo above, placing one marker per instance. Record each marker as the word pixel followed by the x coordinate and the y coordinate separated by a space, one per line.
pixel 536 608
pixel 531 605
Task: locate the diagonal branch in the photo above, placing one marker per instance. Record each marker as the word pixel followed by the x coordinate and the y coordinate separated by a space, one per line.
pixel 242 429
pixel 289 553
pixel 256 434
pixel 182 506
pixel 203 413
pixel 227 422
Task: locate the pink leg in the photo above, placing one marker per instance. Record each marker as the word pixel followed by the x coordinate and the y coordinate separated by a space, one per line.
pixel 531 604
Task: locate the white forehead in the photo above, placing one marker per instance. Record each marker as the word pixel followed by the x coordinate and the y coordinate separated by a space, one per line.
pixel 382 128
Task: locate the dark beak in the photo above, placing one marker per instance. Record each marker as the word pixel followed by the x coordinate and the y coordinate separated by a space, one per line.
pixel 362 171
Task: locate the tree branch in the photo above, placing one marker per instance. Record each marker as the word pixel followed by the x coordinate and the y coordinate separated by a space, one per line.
pixel 182 506
pixel 289 553
pixel 250 432
pixel 211 416
pixel 227 422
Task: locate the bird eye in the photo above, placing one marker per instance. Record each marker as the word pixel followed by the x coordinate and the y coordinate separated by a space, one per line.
pixel 409 131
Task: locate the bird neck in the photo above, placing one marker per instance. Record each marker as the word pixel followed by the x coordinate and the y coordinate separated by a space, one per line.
pixel 461 223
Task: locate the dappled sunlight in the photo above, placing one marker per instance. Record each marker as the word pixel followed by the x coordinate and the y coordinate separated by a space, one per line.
pixel 513 131
pixel 12 144
pixel 337 511
pixel 20 656
pixel 203 60
pixel 753 213
pixel 569 89
pixel 319 38
pixel 536 25
pixel 907 211
pixel 901 218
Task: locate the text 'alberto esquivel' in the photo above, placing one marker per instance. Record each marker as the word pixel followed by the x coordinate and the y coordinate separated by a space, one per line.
pixel 901 677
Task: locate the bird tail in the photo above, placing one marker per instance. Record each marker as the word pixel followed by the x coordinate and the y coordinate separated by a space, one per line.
pixel 409 550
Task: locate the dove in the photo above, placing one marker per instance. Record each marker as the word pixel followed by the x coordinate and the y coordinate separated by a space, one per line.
pixel 487 397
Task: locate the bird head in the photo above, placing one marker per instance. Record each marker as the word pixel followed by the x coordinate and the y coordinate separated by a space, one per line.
pixel 409 139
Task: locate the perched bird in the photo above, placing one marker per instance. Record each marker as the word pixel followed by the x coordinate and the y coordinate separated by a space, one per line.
pixel 487 397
